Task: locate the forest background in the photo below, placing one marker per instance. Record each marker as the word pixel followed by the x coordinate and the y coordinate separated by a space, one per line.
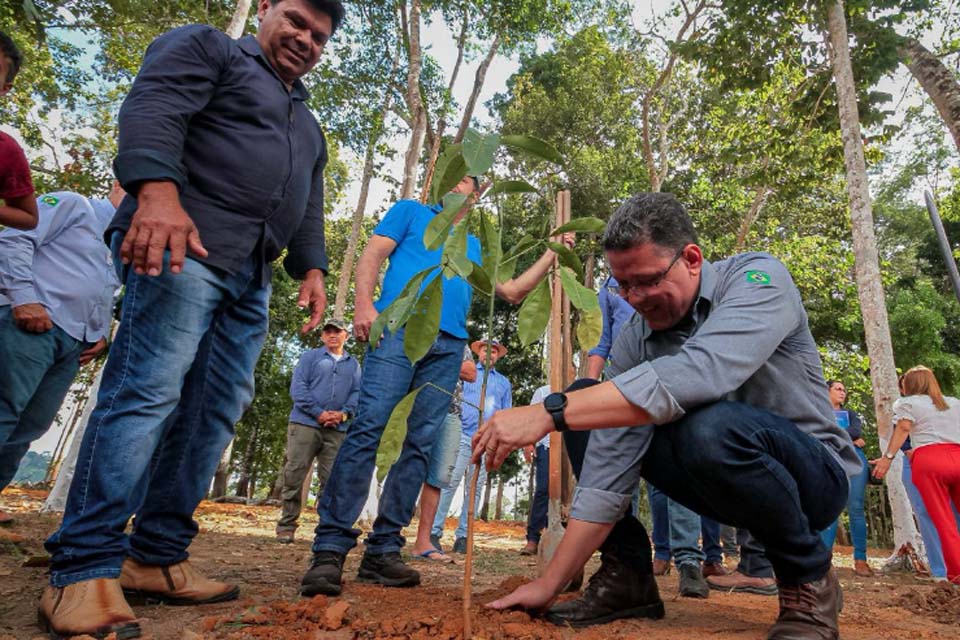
pixel 729 104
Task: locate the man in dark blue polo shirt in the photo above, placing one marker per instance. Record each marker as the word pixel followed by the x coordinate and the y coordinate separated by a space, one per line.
pixel 224 166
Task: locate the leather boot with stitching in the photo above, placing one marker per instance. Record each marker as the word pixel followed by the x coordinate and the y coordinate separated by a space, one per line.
pixel 93 608
pixel 809 611
pixel 177 585
pixel 615 591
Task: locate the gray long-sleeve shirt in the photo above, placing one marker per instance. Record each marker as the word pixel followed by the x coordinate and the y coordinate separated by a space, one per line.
pixel 746 339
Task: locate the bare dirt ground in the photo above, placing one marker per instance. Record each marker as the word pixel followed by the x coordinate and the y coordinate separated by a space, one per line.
pixel 236 544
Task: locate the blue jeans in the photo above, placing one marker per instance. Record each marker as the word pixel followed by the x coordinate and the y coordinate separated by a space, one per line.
pixel 541 495
pixel 35 376
pixel 179 376
pixel 387 377
pixel 855 507
pixel 660 522
pixel 677 531
pixel 443 454
pixel 462 471
pixel 745 466
pixel 931 539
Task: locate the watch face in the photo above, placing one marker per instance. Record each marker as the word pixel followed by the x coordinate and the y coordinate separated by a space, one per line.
pixel 555 402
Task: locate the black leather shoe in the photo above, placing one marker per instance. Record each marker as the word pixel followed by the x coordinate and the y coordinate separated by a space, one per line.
pixel 324 575
pixel 809 611
pixel 387 569
pixel 692 584
pixel 435 541
pixel 460 545
pixel 615 591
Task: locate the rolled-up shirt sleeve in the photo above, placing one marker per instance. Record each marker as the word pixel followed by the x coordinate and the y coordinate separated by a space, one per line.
pixel 760 308
pixel 176 81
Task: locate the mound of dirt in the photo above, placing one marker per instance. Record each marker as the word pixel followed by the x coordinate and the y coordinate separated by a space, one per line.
pixel 941 604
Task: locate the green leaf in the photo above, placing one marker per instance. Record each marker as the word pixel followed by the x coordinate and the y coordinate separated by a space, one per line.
pixel 506 269
pixel 589 328
pixel 489 243
pixel 480 279
pixel 455 251
pixel 533 146
pixel 567 257
pixel 391 443
pixel 424 322
pixel 534 314
pixel 510 186
pixel 526 243
pixel 439 228
pixel 583 225
pixel 448 173
pixel 398 312
pixel 479 151
pixel 580 296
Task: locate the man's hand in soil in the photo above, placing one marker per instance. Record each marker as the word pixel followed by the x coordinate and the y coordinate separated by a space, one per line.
pixel 32 317
pixel 91 353
pixel 313 296
pixel 532 596
pixel 160 223
pixel 508 430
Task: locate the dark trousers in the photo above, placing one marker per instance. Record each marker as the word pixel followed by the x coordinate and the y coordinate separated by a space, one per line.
pixel 744 466
pixel 541 495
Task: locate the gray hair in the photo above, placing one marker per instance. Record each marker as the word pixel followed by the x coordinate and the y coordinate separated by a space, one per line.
pixel 649 217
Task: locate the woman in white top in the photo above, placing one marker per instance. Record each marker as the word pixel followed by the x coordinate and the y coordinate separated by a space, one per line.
pixel 932 422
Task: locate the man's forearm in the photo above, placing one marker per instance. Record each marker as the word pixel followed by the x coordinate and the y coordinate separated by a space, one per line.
pixel 602 406
pixel 595 366
pixel 580 540
pixel 368 267
pixel 516 289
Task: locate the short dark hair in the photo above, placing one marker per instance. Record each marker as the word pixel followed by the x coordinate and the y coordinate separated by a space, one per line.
pixel 476 183
pixel 649 217
pixel 333 8
pixel 9 49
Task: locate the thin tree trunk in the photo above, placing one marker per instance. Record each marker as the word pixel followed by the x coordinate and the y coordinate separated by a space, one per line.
pixel 883 374
pixel 937 80
pixel 498 512
pixel 478 80
pixel 418 117
pixel 223 473
pixel 346 268
pixel 759 199
pixel 245 481
pixel 485 504
pixel 239 20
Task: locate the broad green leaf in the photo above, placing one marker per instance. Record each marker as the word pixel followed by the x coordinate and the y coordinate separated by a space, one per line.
pixel 583 225
pixel 479 151
pixel 489 243
pixel 510 186
pixel 534 314
pixel 424 322
pixel 580 296
pixel 533 146
pixel 391 443
pixel 480 279
pixel 398 311
pixel 506 269
pixel 439 228
pixel 589 328
pixel 567 257
pixel 449 171
pixel 525 243
pixel 455 251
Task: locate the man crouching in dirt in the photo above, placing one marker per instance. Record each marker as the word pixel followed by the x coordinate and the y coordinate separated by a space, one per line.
pixel 718 391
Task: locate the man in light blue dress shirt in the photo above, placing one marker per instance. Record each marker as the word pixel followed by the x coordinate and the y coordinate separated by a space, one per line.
pixel 57 284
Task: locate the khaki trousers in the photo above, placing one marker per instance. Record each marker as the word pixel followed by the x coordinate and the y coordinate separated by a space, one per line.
pixel 304 444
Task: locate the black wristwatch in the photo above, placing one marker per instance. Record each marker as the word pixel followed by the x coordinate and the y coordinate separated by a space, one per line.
pixel 555 403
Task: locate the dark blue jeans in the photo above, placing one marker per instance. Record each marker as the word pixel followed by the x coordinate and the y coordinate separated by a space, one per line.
pixel 541 495
pixel 387 377
pixel 179 376
pixel 856 510
pixel 734 463
pixel 35 375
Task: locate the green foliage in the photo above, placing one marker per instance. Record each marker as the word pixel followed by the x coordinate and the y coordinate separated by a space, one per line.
pixel 439 228
pixel 423 324
pixel 391 444
pixel 534 314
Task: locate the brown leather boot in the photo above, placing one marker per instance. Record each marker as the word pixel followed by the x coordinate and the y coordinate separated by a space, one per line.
pixel 862 569
pixel 737 582
pixel 809 611
pixel 615 591
pixel 177 584
pixel 93 608
pixel 661 567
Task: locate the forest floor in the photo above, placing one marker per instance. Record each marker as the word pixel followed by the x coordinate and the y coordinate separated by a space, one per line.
pixel 236 544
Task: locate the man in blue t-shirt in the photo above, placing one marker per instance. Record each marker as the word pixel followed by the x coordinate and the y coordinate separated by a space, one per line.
pixel 387 377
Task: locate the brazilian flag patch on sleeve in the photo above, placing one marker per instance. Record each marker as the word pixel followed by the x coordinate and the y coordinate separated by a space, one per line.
pixel 50 200
pixel 758 277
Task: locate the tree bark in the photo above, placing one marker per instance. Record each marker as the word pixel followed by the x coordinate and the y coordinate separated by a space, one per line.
pixel 418 117
pixel 485 505
pixel 239 20
pixel 346 268
pixel 479 78
pixel 498 511
pixel 883 374
pixel 223 473
pixel 937 80
pixel 759 199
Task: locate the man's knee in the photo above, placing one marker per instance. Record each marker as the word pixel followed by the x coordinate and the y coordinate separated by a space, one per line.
pixel 700 434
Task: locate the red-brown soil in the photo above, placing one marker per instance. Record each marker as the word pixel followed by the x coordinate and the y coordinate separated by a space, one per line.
pixel 236 544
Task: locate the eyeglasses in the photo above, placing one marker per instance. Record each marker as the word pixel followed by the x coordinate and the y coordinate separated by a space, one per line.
pixel 625 289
